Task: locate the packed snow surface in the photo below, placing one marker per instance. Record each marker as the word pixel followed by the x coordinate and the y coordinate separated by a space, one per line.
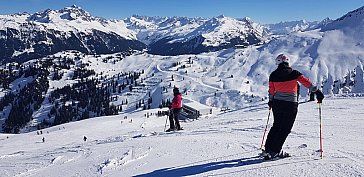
pixel 222 144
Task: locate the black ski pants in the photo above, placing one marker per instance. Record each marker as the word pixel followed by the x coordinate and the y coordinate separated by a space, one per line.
pixel 173 118
pixel 284 113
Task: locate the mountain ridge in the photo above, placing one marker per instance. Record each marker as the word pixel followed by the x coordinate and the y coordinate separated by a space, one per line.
pixel 160 35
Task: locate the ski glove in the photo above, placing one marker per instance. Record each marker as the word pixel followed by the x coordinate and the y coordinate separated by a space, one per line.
pixel 319 96
pixel 270 104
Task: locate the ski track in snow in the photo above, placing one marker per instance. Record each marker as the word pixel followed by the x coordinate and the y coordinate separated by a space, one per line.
pixel 19 153
pixel 117 162
pixel 192 78
pixel 357 158
pixel 34 163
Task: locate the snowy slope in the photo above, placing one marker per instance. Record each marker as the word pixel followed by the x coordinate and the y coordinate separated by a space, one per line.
pixel 234 78
pixel 223 144
pixel 350 21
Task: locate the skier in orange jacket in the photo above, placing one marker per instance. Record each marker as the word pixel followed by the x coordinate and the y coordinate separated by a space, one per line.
pixel 283 100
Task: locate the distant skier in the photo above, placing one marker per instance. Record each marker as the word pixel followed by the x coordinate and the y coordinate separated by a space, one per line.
pixel 176 108
pixel 283 100
pixel 43 139
pixel 84 138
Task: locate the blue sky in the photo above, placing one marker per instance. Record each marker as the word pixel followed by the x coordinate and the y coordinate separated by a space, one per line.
pixel 262 11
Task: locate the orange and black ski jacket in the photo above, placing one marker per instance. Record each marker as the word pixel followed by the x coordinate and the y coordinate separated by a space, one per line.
pixel 283 83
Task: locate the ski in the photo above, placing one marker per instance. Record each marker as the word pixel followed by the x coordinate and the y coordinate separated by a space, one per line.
pixel 166 133
pixel 281 155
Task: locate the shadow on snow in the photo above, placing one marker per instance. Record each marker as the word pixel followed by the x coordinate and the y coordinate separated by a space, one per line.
pixel 202 168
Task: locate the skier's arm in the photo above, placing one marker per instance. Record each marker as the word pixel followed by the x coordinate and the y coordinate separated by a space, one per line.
pixel 307 83
pixel 271 91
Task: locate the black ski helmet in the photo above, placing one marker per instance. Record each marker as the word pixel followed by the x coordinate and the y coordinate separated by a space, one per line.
pixel 175 90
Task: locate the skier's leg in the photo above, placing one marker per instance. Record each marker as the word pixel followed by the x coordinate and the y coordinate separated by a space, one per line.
pixel 273 135
pixel 286 124
pixel 176 113
pixel 171 121
pixel 284 116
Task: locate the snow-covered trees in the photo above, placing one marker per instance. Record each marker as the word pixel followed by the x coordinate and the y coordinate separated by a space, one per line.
pixel 353 82
pixel 358 86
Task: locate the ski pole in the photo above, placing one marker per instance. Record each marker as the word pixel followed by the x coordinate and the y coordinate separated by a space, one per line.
pixel 165 125
pixel 265 130
pixel 319 106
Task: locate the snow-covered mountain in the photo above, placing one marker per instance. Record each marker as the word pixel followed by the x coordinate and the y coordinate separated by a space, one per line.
pixel 282 28
pixel 152 29
pixel 75 18
pixel 352 22
pixel 29 36
pixel 181 35
pixel 232 77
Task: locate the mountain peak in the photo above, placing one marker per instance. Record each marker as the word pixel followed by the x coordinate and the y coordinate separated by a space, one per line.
pixel 221 16
pixel 74 6
pixel 246 19
pixel 73 12
pixel 68 13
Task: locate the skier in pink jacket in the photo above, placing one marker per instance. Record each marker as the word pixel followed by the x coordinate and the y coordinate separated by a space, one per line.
pixel 176 108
